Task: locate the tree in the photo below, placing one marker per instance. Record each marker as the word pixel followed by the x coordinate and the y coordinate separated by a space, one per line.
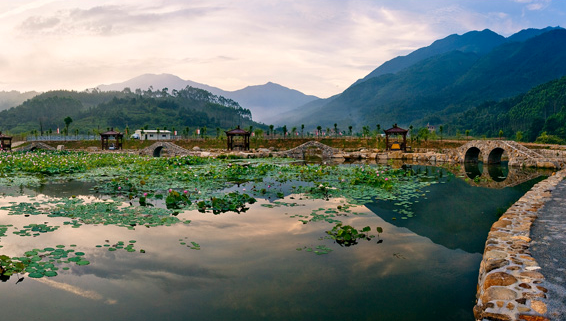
pixel 284 131
pixel 519 136
pixel 68 120
pixel 424 134
pixel 500 134
pixel 302 130
pixel 271 130
pixel 335 129
pixel 467 134
pixel 350 130
pixel 319 128
pixel 293 131
pixel 440 129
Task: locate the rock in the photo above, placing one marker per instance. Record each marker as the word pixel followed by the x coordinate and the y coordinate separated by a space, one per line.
pixel 498 279
pixel 196 148
pixel 92 148
pixel 538 306
pixel 498 293
pixel 495 316
pixel 532 318
pixel 493 264
pixel 60 147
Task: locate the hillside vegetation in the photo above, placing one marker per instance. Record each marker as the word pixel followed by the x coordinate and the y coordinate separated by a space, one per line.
pixel 96 111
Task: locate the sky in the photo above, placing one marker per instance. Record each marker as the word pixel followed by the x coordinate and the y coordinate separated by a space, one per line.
pixel 319 47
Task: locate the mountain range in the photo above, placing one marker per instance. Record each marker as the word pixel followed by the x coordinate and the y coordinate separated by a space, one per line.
pixel 263 101
pixel 435 83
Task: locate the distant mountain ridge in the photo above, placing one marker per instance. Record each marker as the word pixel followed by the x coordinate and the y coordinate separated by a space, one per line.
pixel 262 100
pixel 448 77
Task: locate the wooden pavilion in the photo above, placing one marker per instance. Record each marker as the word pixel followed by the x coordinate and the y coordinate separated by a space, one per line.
pixel 114 135
pixel 238 139
pixel 396 143
pixel 5 142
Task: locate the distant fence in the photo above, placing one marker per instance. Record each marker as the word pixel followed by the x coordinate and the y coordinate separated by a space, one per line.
pixel 61 138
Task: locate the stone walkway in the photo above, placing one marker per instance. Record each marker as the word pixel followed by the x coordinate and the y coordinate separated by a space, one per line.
pixel 548 248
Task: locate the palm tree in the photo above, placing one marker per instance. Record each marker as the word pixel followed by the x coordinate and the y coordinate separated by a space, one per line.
pixel 293 131
pixel 335 129
pixel 350 130
pixel 319 128
pixel 302 130
pixel 284 131
pixel 271 130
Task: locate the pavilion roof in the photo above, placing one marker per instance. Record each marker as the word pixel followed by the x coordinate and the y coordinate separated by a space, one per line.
pixel 237 131
pixel 396 130
pixel 111 133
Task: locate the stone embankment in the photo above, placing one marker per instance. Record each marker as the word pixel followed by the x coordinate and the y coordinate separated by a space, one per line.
pixel 509 283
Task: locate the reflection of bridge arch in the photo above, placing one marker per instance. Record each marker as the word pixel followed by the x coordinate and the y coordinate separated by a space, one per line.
pixel 497 176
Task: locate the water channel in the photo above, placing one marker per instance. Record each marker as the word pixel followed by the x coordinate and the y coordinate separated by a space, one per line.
pixel 267 263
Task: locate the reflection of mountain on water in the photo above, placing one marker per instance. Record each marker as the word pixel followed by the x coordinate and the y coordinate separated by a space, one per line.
pixel 455 214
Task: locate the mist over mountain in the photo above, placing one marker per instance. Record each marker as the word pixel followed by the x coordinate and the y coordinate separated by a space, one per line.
pixel 262 100
pixel 14 98
pixel 448 77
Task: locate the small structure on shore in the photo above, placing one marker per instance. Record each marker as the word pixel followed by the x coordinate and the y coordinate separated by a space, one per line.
pixel 5 142
pixel 238 139
pixel 152 134
pixel 396 144
pixel 116 136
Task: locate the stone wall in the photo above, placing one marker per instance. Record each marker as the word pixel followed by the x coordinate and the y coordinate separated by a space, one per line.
pixel 509 284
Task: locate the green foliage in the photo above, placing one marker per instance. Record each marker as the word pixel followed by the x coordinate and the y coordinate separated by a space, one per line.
pixel 347 235
pixel 234 202
pixel 189 107
pixel 544 138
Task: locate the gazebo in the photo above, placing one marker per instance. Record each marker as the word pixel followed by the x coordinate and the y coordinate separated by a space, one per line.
pixel 116 136
pixel 5 142
pixel 395 144
pixel 238 138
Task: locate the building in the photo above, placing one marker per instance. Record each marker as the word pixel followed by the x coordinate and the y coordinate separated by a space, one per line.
pixel 152 134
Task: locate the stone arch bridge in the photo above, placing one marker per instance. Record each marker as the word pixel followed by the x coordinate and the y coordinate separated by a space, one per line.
pixel 310 148
pixel 36 146
pixel 164 148
pixel 492 151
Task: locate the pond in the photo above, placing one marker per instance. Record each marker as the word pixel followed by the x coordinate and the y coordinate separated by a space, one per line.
pixel 176 239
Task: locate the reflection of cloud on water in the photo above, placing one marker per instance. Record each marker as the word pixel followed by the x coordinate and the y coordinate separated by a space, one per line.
pixel 76 290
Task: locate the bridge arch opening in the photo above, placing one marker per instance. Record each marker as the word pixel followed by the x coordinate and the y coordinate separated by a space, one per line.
pixel 472 155
pixel 159 151
pixel 495 156
pixel 313 153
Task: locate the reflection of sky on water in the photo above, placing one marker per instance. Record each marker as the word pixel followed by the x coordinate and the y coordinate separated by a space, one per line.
pixel 248 268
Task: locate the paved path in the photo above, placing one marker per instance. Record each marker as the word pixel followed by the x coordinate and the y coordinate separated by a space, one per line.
pixel 548 248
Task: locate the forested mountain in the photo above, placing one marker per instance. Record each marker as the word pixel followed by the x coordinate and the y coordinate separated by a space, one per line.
pixel 96 110
pixel 433 89
pixel 542 109
pixel 262 100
